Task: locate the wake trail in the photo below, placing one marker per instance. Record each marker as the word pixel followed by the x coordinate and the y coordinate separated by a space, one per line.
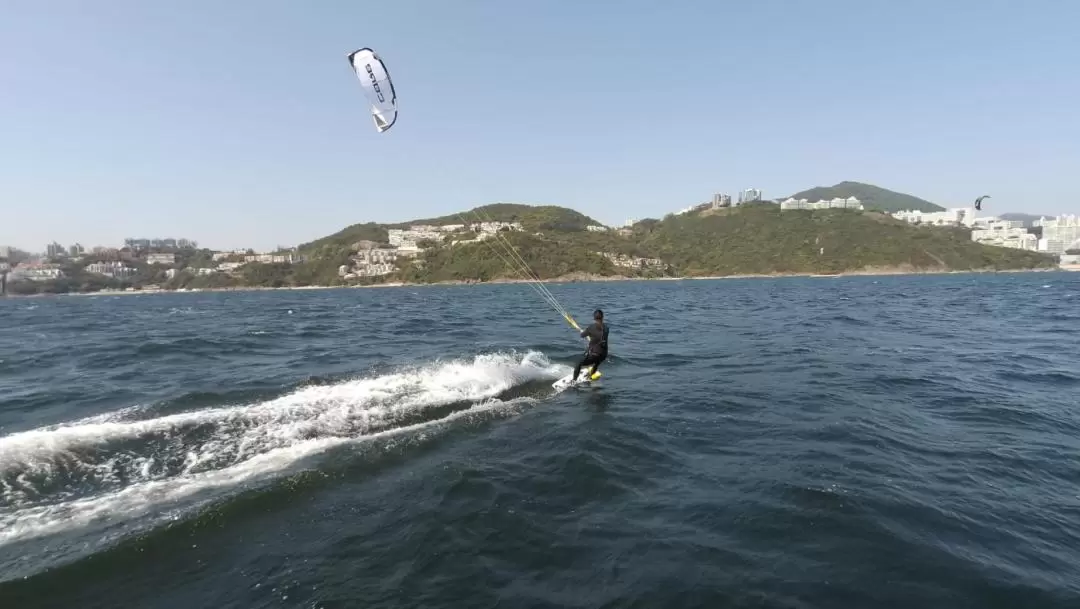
pixel 99 475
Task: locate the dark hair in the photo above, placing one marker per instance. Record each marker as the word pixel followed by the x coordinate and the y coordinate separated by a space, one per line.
pixel 598 314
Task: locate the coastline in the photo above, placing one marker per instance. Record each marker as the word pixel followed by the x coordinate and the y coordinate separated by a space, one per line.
pixel 569 278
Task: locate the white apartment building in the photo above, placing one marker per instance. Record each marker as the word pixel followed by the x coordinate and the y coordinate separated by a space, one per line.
pixel 374 270
pixel 989 223
pixel 494 227
pixel 1059 234
pixel 376 256
pixel 1003 233
pixel 631 261
pixel 406 241
pixel 36 272
pixel 750 195
pixel 272 258
pixel 161 259
pixel 962 216
pixel 836 203
pixel 116 270
pixel 1070 262
pixel 1016 238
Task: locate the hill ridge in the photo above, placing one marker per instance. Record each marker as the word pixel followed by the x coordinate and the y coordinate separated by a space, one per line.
pixel 757 239
pixel 872 197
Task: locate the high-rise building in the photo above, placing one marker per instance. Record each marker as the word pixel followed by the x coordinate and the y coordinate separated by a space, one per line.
pixel 750 195
pixel 721 200
pixel 1059 233
pixel 76 250
pixel 54 249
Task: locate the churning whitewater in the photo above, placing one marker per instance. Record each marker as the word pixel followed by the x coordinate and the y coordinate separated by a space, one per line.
pixel 103 473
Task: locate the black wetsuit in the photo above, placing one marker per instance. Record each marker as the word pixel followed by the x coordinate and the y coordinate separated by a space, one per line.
pixel 597 332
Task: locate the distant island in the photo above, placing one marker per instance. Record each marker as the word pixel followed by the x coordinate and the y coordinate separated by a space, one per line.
pixel 754 238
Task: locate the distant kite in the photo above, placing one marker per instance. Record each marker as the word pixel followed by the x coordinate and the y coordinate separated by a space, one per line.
pixel 978 202
pixel 375 79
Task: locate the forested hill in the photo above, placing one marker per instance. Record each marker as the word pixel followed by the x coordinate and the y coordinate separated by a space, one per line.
pixel 872 197
pixel 557 242
pixel 754 239
pixel 532 218
pixel 763 239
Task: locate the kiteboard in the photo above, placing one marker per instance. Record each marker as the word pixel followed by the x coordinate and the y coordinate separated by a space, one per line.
pixel 568 380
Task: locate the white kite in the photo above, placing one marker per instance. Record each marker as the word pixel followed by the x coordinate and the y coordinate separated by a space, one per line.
pixel 375 79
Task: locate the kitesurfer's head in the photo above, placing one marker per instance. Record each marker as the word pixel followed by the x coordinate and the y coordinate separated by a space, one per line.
pixel 598 315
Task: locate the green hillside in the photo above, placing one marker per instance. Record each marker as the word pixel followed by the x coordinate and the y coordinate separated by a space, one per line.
pixel 763 239
pixel 346 237
pixel 873 197
pixel 533 218
pixel 752 239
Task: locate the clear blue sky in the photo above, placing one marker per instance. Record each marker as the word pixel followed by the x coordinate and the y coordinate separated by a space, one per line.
pixel 240 123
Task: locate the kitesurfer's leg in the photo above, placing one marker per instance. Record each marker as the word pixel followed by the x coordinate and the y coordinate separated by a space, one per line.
pixel 577 369
pixel 596 365
pixel 588 360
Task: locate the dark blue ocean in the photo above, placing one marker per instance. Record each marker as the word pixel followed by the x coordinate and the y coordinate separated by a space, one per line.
pixel 797 443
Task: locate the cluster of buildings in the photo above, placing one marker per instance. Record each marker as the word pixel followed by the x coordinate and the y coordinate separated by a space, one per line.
pixel 835 203
pixel 244 256
pixel 122 263
pixel 958 216
pixel 632 262
pixel 1050 235
pixel 625 230
pixel 1060 234
pixel 720 200
pixel 375 260
pixel 34 271
pixel 1003 233
pixel 132 249
pixel 160 244
pixel 116 270
pixel 372 260
pixel 55 250
pixel 409 240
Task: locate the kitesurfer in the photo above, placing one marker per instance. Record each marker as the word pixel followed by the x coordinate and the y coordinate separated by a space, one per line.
pixel 597 333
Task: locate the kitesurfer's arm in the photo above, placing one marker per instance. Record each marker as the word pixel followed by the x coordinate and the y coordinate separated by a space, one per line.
pixel 591 332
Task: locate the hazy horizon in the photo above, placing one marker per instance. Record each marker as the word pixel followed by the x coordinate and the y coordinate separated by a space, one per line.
pixel 242 124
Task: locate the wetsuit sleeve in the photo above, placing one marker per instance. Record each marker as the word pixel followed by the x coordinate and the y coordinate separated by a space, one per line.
pixel 588 331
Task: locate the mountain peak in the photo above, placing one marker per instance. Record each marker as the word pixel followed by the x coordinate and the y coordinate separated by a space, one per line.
pixel 873 197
